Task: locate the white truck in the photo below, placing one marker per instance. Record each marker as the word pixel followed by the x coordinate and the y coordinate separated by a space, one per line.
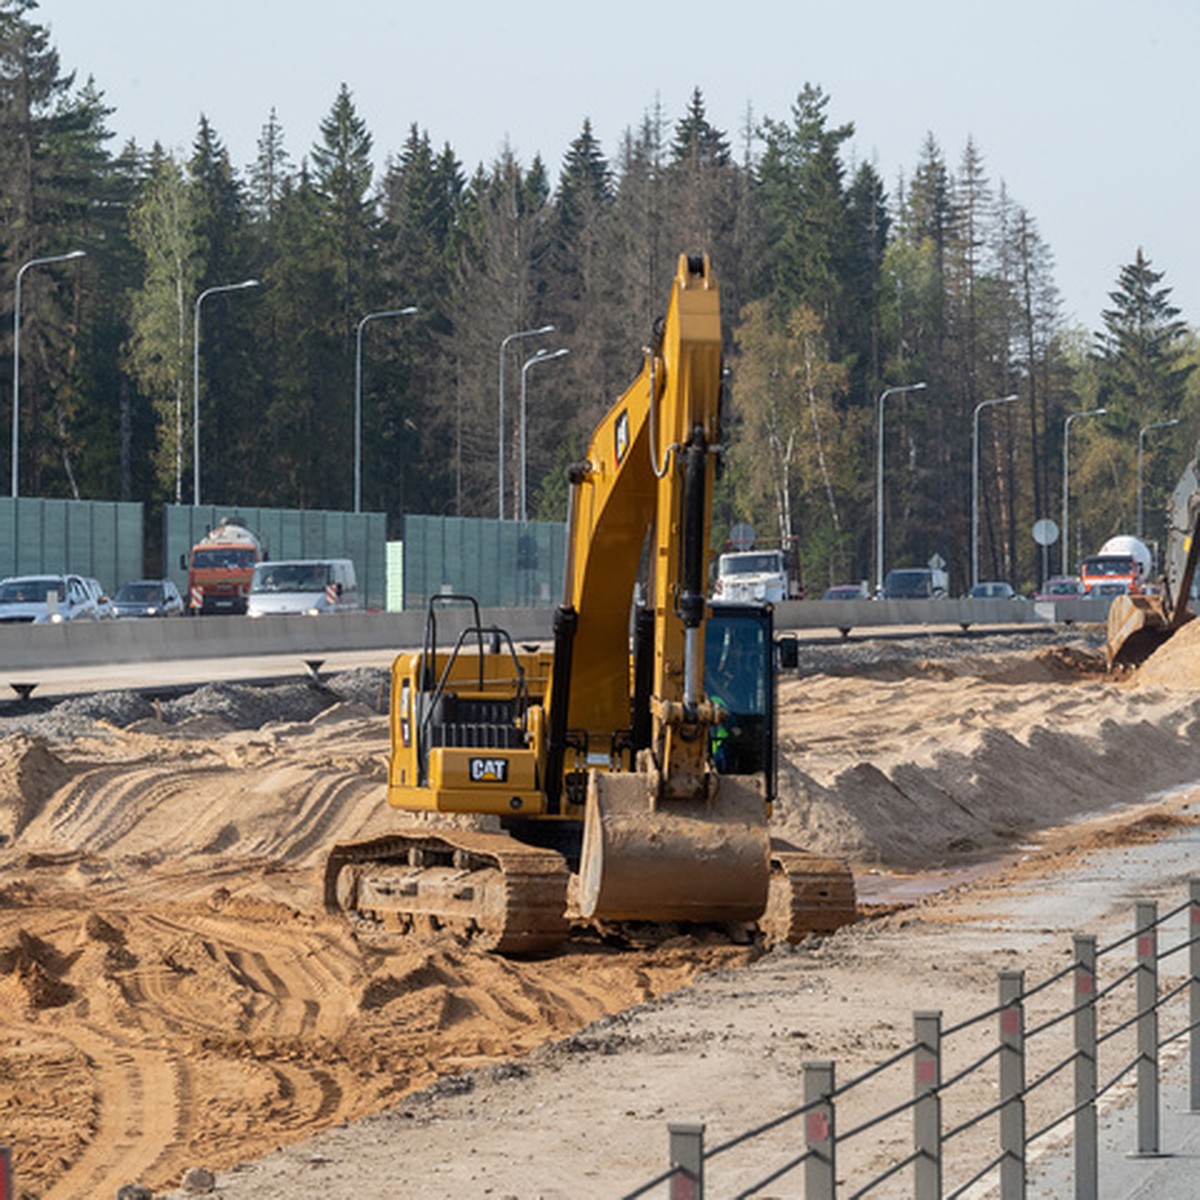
pixel 747 576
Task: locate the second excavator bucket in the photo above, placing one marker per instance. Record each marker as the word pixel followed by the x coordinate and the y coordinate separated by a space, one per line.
pixel 1137 626
pixel 703 860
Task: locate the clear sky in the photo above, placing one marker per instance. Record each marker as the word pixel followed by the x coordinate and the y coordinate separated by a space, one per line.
pixel 1086 109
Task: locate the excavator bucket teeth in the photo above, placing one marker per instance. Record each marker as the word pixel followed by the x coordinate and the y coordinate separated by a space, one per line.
pixel 698 860
pixel 1137 626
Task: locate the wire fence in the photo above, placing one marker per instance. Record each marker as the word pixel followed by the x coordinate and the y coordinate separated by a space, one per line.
pixel 1115 1001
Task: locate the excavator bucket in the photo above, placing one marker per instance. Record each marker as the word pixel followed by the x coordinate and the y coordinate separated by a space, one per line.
pixel 1137 626
pixel 701 860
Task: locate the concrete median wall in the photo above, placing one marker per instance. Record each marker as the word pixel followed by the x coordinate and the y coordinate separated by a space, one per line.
pixel 83 643
pixel 862 614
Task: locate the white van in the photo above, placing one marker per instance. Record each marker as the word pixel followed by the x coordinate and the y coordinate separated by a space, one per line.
pixel 309 586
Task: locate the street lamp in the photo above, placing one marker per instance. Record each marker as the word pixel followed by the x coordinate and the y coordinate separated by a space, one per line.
pixel 975 481
pixel 892 391
pixel 524 333
pixel 1091 412
pixel 16 427
pixel 539 357
pixel 358 330
pixel 1141 446
pixel 225 287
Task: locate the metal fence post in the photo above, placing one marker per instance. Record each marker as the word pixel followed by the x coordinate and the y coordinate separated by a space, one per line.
pixel 927 1109
pixel 1012 1086
pixel 820 1170
pixel 1087 1178
pixel 1147 1027
pixel 1194 995
pixel 687 1161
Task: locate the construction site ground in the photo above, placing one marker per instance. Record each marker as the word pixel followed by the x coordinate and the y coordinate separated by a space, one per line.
pixel 174 995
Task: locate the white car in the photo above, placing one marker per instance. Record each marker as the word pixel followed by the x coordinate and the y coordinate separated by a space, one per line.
pixel 46 600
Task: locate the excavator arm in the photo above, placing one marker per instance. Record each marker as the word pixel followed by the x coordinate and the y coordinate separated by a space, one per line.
pixel 665 837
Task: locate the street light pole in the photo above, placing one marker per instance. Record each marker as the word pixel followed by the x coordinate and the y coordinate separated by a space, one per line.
pixel 524 333
pixel 892 391
pixel 225 287
pixel 358 331
pixel 539 357
pixel 16 424
pixel 975 480
pixel 1140 449
pixel 1091 412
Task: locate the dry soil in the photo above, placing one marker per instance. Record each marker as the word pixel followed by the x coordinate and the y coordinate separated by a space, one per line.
pixel 174 996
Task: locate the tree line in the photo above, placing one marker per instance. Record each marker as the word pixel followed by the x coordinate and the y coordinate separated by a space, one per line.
pixel 835 290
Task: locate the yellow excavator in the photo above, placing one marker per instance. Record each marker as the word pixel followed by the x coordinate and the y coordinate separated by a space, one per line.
pixel 1138 625
pixel 627 774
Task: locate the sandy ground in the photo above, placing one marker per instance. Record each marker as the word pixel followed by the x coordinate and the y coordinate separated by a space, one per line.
pixel 174 996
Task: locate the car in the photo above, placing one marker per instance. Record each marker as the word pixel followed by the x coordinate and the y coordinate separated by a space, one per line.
pixel 148 598
pixel 992 590
pixel 916 583
pixel 1061 587
pixel 846 591
pixel 46 600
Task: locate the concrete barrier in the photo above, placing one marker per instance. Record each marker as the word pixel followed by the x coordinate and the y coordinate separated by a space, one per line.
pixel 97 643
pixel 860 614
pixel 86 643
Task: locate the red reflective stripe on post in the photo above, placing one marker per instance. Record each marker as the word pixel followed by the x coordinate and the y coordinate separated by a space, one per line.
pixel 683 1185
pixel 816 1127
pixel 1083 982
pixel 1145 946
pixel 1010 1021
pixel 5 1173
pixel 926 1070
pixel 1196 914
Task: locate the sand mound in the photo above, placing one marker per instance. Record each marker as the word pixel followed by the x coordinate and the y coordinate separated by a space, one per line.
pixel 922 774
pixel 30 773
pixel 1176 663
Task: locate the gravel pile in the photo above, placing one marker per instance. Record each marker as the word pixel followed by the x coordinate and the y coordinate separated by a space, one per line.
pixel 853 656
pixel 237 705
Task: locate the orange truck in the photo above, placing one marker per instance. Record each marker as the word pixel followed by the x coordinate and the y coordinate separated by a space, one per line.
pixel 220 568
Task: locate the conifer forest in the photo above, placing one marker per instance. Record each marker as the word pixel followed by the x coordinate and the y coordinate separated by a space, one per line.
pixel 837 286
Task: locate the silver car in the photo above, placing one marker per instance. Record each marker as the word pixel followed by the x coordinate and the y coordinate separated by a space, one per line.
pixel 148 598
pixel 46 600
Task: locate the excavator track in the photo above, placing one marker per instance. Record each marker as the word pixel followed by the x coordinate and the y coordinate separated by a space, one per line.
pixel 806 893
pixel 501 894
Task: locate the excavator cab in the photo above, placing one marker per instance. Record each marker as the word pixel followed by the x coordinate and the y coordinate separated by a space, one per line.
pixel 739 679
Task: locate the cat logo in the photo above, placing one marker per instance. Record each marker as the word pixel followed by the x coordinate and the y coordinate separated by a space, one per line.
pixel 621 436
pixel 488 770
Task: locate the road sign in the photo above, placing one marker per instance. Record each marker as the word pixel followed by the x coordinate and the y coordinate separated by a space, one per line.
pixel 1045 532
pixel 741 536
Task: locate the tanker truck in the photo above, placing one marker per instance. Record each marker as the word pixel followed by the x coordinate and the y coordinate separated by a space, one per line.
pixel 1121 560
pixel 220 567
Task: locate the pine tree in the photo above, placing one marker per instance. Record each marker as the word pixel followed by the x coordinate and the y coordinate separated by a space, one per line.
pixel 1144 367
pixel 342 173
pixel 805 212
